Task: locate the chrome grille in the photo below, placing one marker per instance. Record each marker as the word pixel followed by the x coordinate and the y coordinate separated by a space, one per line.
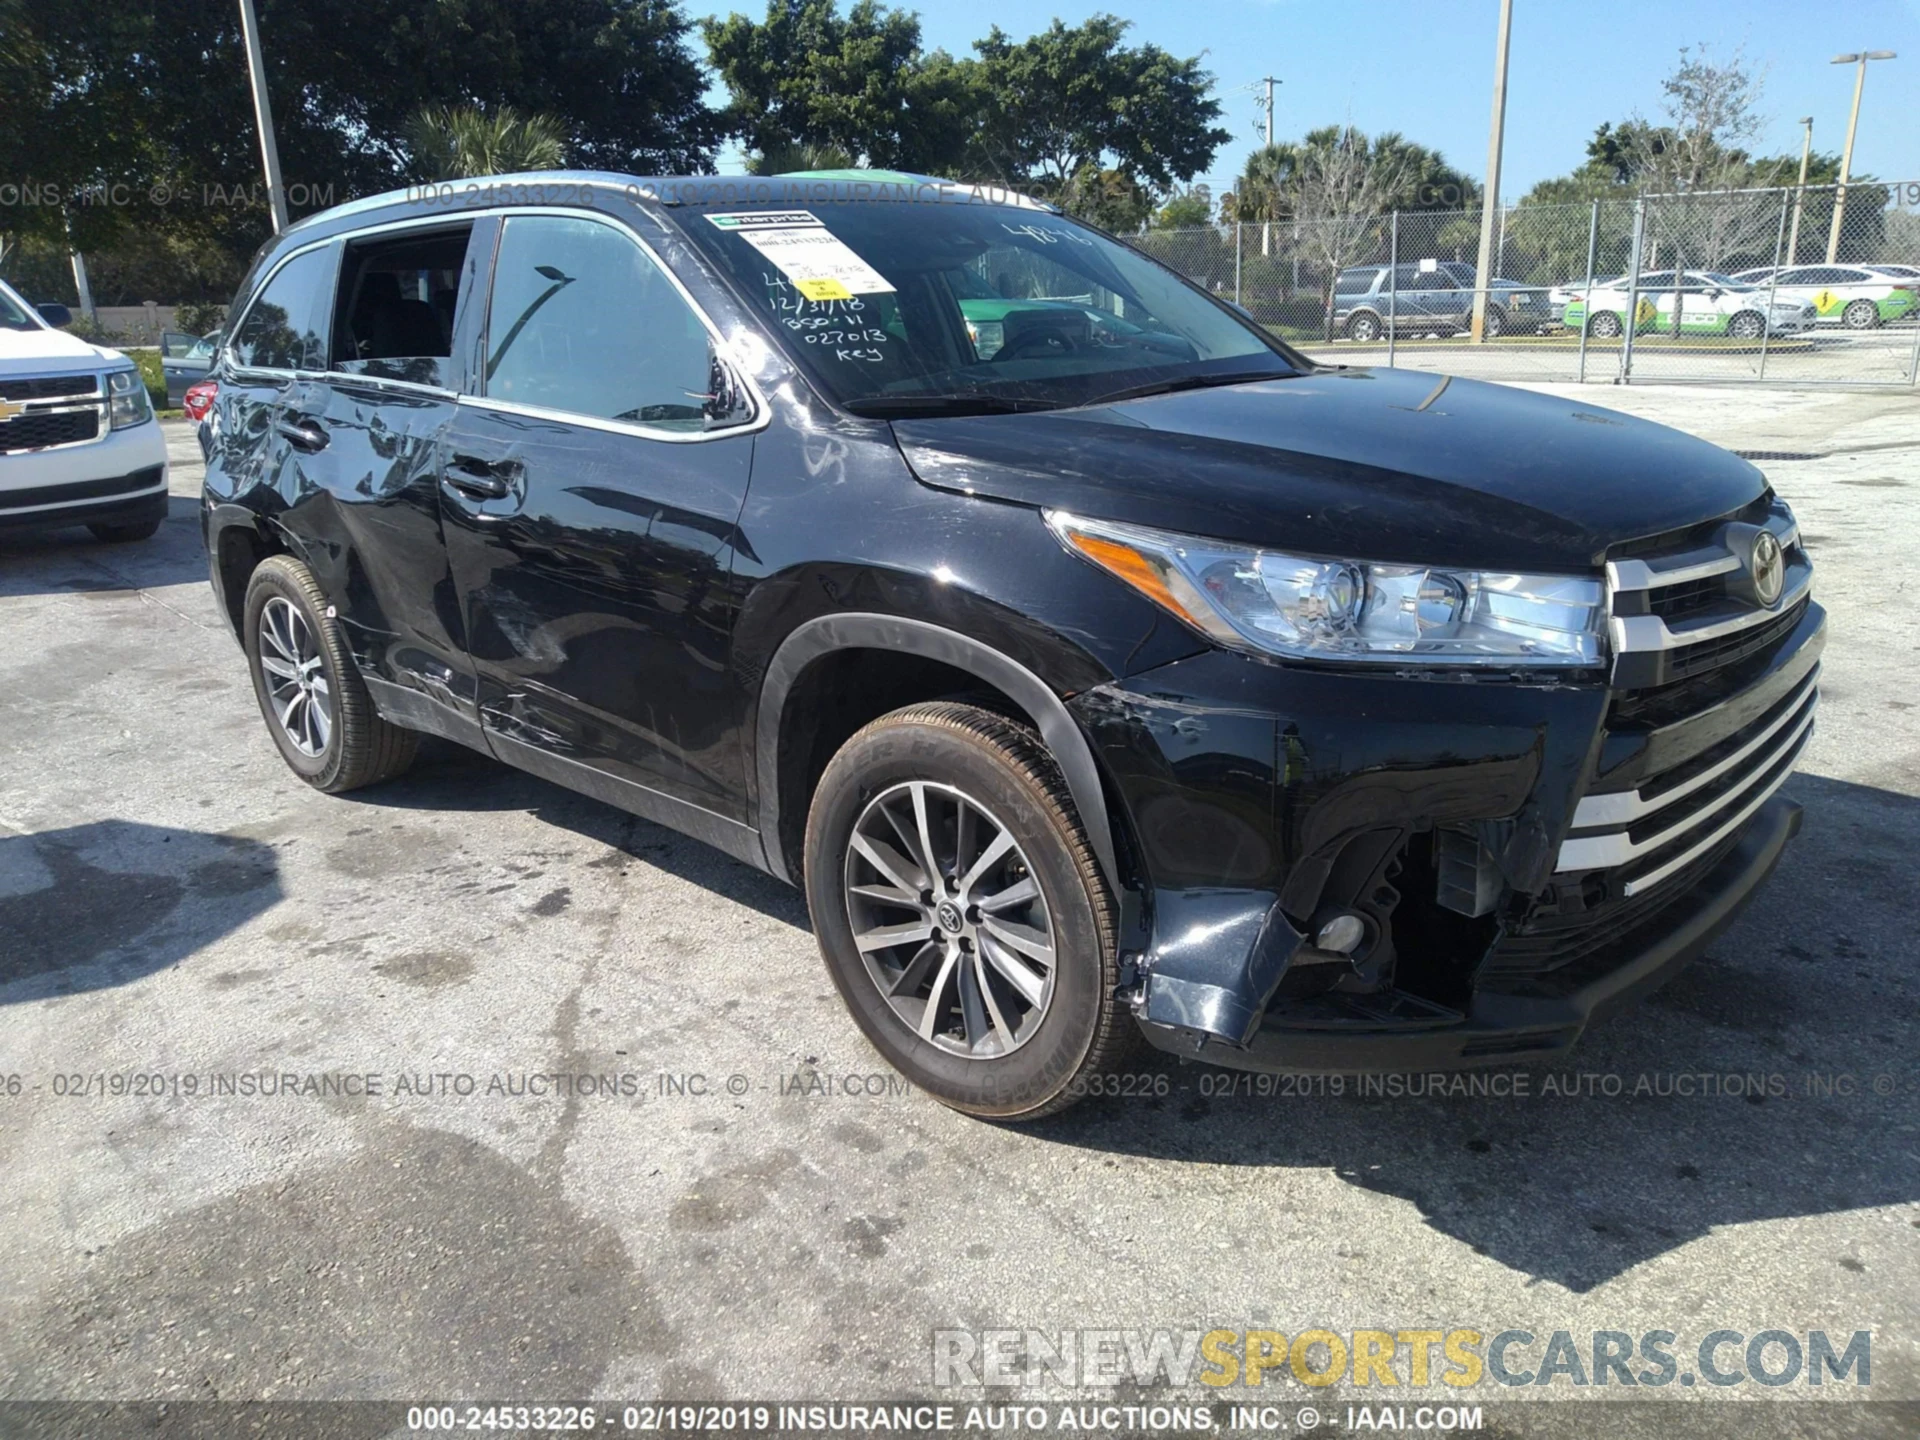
pixel 46 412
pixel 1652 833
pixel 1677 614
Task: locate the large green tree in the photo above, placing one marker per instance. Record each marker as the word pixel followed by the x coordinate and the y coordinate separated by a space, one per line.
pixel 807 79
pixel 140 117
pixel 1073 112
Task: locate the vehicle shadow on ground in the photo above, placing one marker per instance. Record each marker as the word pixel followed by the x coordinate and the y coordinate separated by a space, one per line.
pixel 1771 1079
pixel 451 777
pixel 69 560
pixel 112 901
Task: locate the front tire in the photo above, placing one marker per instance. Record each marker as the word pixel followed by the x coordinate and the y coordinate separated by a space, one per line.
pixel 961 912
pixel 1861 315
pixel 1747 325
pixel 1604 326
pixel 316 706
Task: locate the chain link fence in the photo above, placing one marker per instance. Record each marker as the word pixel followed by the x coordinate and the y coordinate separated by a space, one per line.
pixel 1719 287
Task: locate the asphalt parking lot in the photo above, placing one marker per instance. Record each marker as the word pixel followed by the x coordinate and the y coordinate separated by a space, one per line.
pixel 757 1211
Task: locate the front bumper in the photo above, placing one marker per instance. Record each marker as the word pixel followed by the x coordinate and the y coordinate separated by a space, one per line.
pixel 1502 1028
pixel 119 479
pixel 1259 800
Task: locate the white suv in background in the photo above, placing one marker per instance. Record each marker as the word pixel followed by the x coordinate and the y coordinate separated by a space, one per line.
pixel 78 441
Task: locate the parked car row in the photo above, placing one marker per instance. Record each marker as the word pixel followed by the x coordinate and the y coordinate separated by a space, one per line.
pixel 1436 297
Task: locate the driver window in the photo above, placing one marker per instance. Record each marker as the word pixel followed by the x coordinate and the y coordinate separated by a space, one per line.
pixel 582 320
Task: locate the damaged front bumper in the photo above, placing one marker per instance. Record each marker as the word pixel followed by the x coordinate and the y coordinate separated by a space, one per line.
pixel 1265 803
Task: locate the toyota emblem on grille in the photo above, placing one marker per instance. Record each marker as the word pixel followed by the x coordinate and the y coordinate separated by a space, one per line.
pixel 1768 567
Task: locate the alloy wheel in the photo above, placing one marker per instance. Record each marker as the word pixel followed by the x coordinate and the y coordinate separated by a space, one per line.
pixel 1746 326
pixel 296 676
pixel 949 919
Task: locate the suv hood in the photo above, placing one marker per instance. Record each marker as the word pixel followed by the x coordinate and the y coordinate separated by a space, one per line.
pixel 52 352
pixel 1389 465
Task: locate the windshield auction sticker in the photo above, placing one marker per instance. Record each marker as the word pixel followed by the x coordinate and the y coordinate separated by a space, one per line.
pixel 816 260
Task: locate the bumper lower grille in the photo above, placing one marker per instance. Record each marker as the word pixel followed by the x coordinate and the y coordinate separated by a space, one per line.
pixel 1548 940
pixel 1651 833
pixel 80 491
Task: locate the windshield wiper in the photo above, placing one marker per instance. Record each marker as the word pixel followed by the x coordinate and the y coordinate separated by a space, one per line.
pixel 1189 382
pixel 899 407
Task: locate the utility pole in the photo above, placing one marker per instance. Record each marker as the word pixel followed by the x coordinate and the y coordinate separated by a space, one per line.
pixel 263 115
pixel 1491 200
pixel 1266 225
pixel 1846 156
pixel 1800 194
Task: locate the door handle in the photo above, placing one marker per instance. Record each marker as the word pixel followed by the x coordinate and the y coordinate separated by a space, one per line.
pixel 480 479
pixel 302 434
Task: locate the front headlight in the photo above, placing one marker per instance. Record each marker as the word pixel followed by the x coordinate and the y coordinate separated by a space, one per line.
pixel 127 402
pixel 1308 608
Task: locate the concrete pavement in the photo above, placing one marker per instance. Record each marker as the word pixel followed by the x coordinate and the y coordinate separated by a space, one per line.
pixel 738 1200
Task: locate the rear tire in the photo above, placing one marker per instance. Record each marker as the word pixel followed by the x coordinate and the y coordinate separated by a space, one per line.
pixel 125 534
pixel 982 1025
pixel 316 706
pixel 1364 328
pixel 1861 315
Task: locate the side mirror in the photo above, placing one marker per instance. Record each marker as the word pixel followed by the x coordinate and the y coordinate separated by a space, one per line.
pixel 55 314
pixel 1244 311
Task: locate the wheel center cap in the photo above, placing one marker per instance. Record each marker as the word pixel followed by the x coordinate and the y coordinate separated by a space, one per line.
pixel 949 916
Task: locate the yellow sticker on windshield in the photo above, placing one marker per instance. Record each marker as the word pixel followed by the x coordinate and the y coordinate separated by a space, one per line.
pixel 823 289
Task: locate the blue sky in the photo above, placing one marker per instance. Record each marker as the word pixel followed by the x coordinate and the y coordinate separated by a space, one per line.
pixel 1425 67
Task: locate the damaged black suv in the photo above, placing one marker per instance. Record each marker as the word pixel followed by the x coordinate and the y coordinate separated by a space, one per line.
pixel 1100 666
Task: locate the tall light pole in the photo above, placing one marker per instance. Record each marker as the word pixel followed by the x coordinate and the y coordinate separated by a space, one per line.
pixel 1266 226
pixel 1846 156
pixel 1806 153
pixel 263 115
pixel 1491 200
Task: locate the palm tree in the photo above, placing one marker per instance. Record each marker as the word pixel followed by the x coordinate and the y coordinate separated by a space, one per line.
pixel 787 157
pixel 457 142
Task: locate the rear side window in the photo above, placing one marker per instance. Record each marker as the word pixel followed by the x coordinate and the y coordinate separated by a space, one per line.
pixel 395 313
pixel 285 327
pixel 582 320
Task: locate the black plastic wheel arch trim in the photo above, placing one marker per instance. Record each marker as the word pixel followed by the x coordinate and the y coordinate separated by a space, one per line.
pixel 865 631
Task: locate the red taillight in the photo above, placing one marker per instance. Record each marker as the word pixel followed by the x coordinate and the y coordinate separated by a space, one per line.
pixel 199 398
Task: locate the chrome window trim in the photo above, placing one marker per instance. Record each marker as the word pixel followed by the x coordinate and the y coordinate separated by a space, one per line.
pixel 1606 852
pixel 271 372
pixel 1626 807
pixel 762 412
pixel 344 237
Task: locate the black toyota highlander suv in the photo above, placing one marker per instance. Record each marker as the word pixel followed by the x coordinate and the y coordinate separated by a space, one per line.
pixel 1107 679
